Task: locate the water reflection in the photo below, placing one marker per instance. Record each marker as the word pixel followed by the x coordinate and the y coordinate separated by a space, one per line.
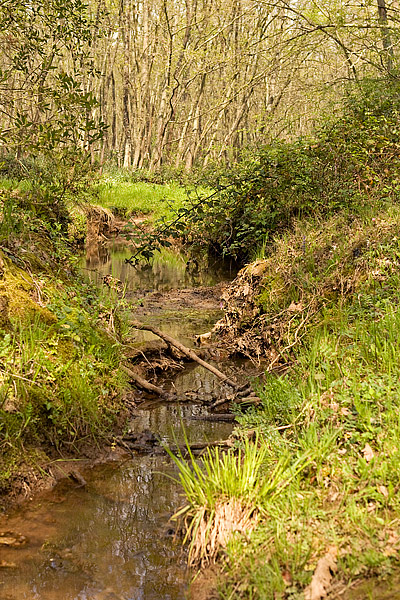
pixel 166 270
pixel 111 539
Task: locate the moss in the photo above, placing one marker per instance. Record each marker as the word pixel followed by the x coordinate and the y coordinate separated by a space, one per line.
pixel 17 288
pixel 66 349
pixel 58 383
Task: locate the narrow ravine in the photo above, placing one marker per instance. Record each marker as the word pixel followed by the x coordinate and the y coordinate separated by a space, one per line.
pixel 111 539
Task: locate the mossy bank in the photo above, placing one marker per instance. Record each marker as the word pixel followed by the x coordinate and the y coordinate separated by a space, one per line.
pixel 61 391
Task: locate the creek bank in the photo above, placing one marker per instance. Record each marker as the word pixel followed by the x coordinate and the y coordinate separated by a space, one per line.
pixel 274 302
pixel 324 312
pixel 60 386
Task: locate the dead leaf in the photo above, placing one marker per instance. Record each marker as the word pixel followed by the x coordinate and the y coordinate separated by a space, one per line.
pixel 287 577
pixel 295 307
pixel 393 538
pixel 321 580
pixel 392 544
pixel 382 489
pixel 368 453
pixel 8 541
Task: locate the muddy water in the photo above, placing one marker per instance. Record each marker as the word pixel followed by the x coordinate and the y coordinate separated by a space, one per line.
pixel 112 539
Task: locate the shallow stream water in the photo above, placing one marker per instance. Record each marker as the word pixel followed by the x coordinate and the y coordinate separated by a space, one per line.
pixel 112 539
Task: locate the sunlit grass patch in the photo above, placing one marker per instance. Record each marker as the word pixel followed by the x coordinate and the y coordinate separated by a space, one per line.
pixel 141 198
pixel 60 382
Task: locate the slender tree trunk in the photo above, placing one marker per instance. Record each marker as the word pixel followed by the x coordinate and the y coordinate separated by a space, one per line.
pixel 386 39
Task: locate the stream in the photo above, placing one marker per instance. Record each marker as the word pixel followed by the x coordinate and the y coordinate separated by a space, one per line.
pixel 112 539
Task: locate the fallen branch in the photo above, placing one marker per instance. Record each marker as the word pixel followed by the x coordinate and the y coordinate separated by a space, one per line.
pixel 143 383
pixel 199 446
pixel 219 418
pixel 237 399
pixel 186 351
pixel 148 442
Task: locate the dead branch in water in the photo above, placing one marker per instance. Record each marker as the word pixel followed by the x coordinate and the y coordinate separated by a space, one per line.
pixel 185 351
pixel 218 418
pixel 237 399
pixel 143 383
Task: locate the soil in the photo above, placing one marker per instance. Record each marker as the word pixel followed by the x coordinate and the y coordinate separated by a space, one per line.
pixel 200 298
pixel 373 589
pixel 204 585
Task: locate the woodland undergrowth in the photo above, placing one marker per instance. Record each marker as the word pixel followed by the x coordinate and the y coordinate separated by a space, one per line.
pixel 323 458
pixel 60 385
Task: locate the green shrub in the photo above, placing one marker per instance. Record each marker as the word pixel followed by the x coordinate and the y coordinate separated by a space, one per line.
pixel 348 163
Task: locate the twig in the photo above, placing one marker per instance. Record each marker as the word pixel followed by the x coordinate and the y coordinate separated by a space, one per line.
pixel 143 383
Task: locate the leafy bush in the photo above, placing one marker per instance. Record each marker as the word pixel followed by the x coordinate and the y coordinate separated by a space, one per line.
pixel 350 162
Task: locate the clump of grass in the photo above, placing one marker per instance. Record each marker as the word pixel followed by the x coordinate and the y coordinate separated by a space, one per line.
pixel 227 492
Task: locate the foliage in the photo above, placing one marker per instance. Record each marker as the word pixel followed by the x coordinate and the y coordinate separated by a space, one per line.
pixel 226 491
pixel 127 197
pixel 59 378
pixel 50 121
pixel 349 162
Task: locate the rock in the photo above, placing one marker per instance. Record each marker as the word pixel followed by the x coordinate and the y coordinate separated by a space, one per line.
pixel 76 476
pixel 12 540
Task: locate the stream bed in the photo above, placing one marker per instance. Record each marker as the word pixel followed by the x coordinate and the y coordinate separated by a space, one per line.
pixel 112 539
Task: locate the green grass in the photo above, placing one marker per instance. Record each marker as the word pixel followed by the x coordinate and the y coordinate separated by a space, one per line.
pixel 348 379
pixel 227 490
pixel 11 184
pixel 141 198
pixel 60 382
pixel 339 405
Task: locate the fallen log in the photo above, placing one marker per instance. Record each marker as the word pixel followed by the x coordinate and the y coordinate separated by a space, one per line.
pixel 218 417
pixel 185 351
